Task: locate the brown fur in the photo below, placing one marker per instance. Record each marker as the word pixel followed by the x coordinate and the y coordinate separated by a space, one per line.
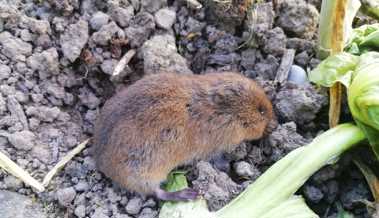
pixel 165 120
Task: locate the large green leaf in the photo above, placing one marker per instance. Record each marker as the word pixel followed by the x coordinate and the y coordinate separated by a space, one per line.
pixel 335 68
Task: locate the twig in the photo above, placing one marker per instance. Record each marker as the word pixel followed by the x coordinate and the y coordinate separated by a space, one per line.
pixel 123 62
pixel 12 168
pixel 63 162
pixel 285 66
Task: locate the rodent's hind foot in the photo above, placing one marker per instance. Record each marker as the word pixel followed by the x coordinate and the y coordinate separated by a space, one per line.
pixel 182 195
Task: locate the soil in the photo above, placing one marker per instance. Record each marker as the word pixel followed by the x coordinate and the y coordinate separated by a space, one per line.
pixel 56 63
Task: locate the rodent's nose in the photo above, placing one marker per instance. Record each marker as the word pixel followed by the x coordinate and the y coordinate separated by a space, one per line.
pixel 271 126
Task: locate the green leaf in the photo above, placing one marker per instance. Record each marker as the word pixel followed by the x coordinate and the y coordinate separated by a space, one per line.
pixel 372 136
pixel 364 38
pixel 371 8
pixel 176 181
pixel 371 40
pixel 335 68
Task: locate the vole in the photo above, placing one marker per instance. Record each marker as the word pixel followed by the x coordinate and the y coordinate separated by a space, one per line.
pixel 165 120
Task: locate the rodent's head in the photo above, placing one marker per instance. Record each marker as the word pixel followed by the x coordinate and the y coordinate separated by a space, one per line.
pixel 245 104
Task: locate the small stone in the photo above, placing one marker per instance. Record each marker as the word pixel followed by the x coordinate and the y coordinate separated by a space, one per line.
pixel 286 137
pixel 55 90
pixel 5 71
pixel 141 27
pixel 302 58
pixel 298 17
pixel 153 5
pixel 105 33
pixel 21 97
pixel 42 153
pixel 14 47
pixel 165 18
pixel 160 54
pixel 98 20
pixel 122 216
pixel 297 75
pixel 89 163
pixel 134 206
pixel 44 41
pixel 313 194
pixel 108 66
pixel 46 62
pixel 73 40
pixel 80 211
pixel 150 203
pixel 299 103
pixel 40 27
pixel 12 183
pixel 244 169
pixel 100 213
pixel 23 140
pixel 123 16
pixel 272 41
pixel 148 213
pixel 112 196
pixel 3 105
pixel 25 35
pixel 81 186
pixel 66 196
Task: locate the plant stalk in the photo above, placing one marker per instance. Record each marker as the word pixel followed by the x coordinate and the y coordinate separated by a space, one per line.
pixel 286 176
pixel 335 26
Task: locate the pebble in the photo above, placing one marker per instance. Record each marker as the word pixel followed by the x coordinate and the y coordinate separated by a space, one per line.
pixel 100 213
pixel 23 140
pixel 80 211
pixel 108 66
pixel 12 183
pixel 123 16
pixel 81 186
pixel 73 40
pixel 148 213
pixel 105 33
pixel 66 196
pixel 165 18
pixel 98 20
pixel 14 47
pixel 313 194
pixel 160 54
pixel 297 75
pixel 244 169
pixel 153 5
pixel 134 206
pixel 5 71
pixel 299 18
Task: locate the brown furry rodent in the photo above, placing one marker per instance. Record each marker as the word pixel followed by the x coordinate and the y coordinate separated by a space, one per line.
pixel 165 120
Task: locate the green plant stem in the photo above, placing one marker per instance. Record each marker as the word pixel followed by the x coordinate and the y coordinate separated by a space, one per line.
pixel 279 183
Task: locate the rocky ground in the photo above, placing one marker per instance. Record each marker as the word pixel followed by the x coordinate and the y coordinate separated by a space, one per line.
pixel 57 59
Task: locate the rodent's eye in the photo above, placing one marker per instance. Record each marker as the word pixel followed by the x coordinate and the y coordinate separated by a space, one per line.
pixel 245 124
pixel 262 110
